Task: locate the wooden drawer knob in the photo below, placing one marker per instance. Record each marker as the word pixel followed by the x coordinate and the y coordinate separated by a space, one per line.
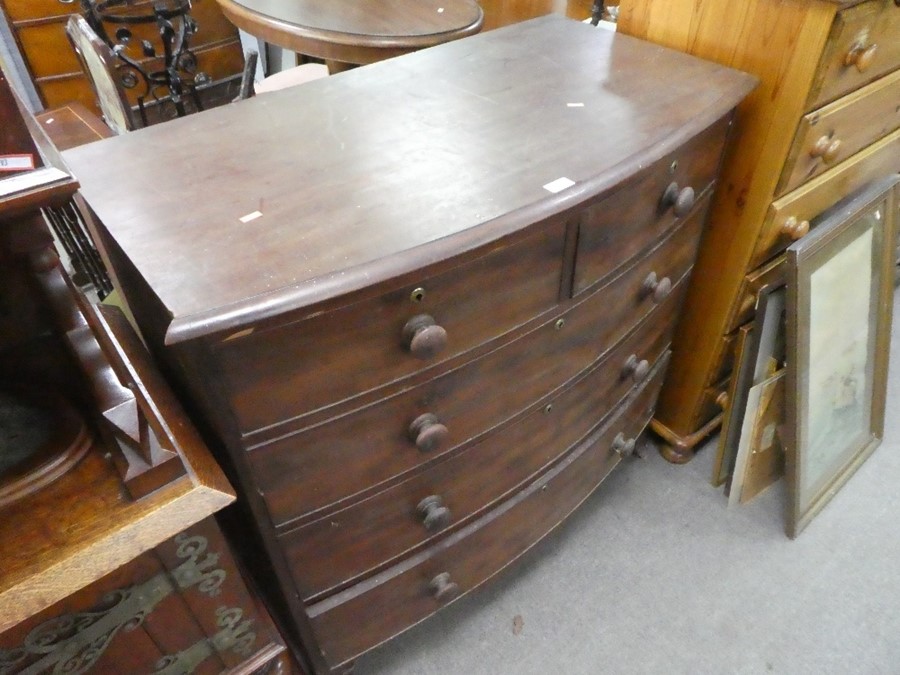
pixel 624 447
pixel 435 516
pixel 658 288
pixel 636 368
pixel 681 200
pixel 422 337
pixel 722 400
pixel 427 432
pixel 826 149
pixel 861 55
pixel 795 229
pixel 442 588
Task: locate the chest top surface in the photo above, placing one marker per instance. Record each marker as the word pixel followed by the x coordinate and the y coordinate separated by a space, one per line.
pixel 302 195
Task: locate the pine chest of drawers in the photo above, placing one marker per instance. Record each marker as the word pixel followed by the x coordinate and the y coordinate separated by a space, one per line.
pixel 421 308
pixel 824 121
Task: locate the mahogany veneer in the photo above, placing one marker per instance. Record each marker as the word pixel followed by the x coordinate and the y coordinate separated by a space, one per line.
pixel 415 358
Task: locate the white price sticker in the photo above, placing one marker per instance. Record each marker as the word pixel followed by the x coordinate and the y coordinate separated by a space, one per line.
pixel 16 162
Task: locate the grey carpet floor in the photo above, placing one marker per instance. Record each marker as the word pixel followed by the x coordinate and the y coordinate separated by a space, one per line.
pixel 653 574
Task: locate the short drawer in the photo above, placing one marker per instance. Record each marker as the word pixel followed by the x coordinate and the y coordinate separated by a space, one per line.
pixel 714 401
pixel 297 473
pixel 725 363
pixel 831 134
pixel 745 303
pixel 288 370
pixel 390 524
pixel 789 217
pixel 353 621
pixel 862 47
pixel 620 226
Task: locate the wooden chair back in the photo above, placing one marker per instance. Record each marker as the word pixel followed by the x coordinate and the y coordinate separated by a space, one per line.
pixel 99 63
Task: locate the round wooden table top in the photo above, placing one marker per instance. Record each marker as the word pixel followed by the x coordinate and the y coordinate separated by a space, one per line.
pixel 355 31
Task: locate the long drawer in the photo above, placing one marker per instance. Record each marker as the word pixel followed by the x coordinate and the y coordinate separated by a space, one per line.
pixel 280 373
pixel 305 471
pixel 344 546
pixel 619 226
pixel 350 622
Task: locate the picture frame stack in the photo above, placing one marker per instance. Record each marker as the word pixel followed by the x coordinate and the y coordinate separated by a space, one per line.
pixel 808 396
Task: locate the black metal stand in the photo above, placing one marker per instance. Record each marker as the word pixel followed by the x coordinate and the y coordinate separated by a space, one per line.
pixel 177 80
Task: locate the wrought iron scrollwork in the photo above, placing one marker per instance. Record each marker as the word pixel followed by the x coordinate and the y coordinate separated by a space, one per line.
pixel 71 644
pixel 177 79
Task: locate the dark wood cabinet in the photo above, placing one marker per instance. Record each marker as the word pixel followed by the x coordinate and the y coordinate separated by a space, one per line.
pixel 111 560
pixel 414 353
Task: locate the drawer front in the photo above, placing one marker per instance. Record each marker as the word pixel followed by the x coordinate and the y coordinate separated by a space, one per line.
pixel 726 358
pixel 283 372
pixel 22 10
pixel 802 205
pixel 625 223
pixel 745 307
pixel 58 92
pixel 49 53
pixel 218 62
pixel 344 546
pixel 830 135
pixel 864 45
pixel 354 621
pixel 306 471
pixel 47 49
pixel 714 401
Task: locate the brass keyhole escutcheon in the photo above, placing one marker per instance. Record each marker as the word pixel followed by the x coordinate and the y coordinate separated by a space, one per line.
pixel 559 324
pixel 418 295
pixel 673 167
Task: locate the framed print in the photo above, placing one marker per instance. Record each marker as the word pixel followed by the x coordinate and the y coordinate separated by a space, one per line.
pixel 759 461
pixel 839 303
pixel 759 354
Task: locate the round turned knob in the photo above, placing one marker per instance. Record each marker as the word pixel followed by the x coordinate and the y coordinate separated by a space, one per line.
pixel 722 400
pixel 434 514
pixel 795 229
pixel 658 288
pixel 635 368
pixel 624 447
pixel 861 55
pixel 442 588
pixel 681 200
pixel 826 149
pixel 423 337
pixel 427 432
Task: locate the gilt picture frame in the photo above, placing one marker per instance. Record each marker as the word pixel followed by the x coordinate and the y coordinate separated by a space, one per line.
pixel 839 306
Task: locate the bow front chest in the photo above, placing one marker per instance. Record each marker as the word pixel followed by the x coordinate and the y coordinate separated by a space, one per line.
pixel 422 308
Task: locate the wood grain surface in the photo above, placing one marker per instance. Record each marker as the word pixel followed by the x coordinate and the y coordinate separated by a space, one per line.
pixel 406 156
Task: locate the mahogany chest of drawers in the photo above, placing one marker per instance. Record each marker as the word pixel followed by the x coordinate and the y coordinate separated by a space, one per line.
pixel 421 308
pixel 824 121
